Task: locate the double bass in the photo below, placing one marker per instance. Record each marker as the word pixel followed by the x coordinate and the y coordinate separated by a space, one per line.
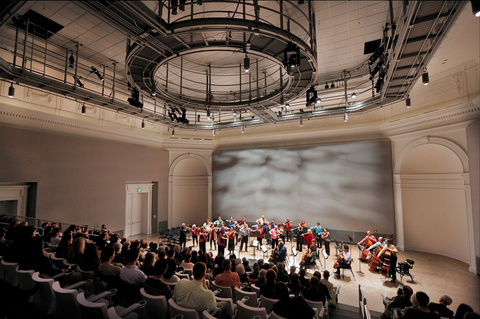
pixel 375 261
pixel 365 249
pixel 386 263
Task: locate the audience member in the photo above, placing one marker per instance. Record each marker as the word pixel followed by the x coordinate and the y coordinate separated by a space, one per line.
pixel 154 285
pixel 441 308
pixel 149 263
pixel 90 260
pixel 290 308
pixel 462 309
pixel 266 289
pixel 106 268
pixel 75 253
pixel 422 312
pixel 326 283
pixel 312 291
pixel 401 301
pixel 228 278
pixel 130 274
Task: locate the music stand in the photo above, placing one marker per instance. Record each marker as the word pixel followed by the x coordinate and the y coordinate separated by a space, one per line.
pixel 255 247
pixel 264 249
pixel 294 253
pixel 325 257
pixel 359 260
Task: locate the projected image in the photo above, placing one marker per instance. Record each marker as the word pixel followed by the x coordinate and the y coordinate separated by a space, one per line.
pixel 343 186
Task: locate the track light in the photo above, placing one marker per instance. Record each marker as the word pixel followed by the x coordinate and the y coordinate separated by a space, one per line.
pixel 282 101
pixel 134 98
pixel 287 106
pixel 354 95
pixel 173 131
pixel 345 117
pixel 425 78
pixel 84 109
pixel 475 7
pixel 326 86
pixel 332 86
pixel 213 132
pixel 143 124
pixel 319 100
pixel 408 102
pixel 11 91
pixel 208 114
pixel 94 70
pixel 80 84
pixel 234 117
pixel 301 121
pixel 71 60
pixel 291 58
pixel 229 36
pixel 243 129
pixel 198 118
pixel 246 63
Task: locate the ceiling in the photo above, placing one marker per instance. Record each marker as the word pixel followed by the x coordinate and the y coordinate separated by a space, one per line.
pixel 194 59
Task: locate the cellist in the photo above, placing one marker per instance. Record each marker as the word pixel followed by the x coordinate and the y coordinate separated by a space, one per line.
pixel 345 261
pixel 309 257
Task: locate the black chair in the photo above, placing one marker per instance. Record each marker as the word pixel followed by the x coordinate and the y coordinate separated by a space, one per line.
pixel 403 268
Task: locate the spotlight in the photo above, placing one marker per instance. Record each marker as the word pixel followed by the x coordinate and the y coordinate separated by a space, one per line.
pixel 84 109
pixel 319 100
pixel 143 124
pixel 291 58
pixel 208 114
pixel 282 101
pixel 332 86
pixel 326 86
pixel 243 129
pixel 229 36
pixel 71 60
pixel 301 121
pixel 246 63
pixel 345 117
pixel 11 91
pixel 408 102
pixel 173 131
pixel 94 70
pixel 354 95
pixel 198 118
pixel 134 99
pixel 475 7
pixel 174 4
pixel 213 132
pixel 287 106
pixel 80 84
pixel 425 78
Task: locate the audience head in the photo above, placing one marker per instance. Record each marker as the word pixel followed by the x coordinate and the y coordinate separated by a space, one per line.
pixel 462 309
pixel 302 272
pixel 422 299
pixel 199 270
pixel 160 267
pixel 446 300
pixel 407 290
pixel 326 274
pixel 227 264
pixel 240 270
pixel 188 256
pixel 107 253
pixel 317 274
pixel 150 258
pixel 281 291
pixel 293 269
pixel 132 256
pixel 314 281
pixel 117 247
pixel 271 276
pixel 262 273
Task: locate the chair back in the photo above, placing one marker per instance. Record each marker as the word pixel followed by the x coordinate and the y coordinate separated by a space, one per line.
pixel 57 261
pixel 226 292
pixel 267 303
pixel 252 297
pixel 86 275
pixel 207 315
pixel 274 315
pixel 66 305
pixel 44 297
pixel 256 289
pixel 11 275
pixel 179 310
pixel 247 312
pixel 182 275
pixel 315 304
pixel 156 307
pixel 230 305
pixel 25 281
pixel 2 270
pixel 89 310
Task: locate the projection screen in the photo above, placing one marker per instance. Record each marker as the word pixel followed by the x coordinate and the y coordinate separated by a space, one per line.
pixel 343 186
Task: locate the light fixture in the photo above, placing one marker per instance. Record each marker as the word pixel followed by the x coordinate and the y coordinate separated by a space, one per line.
pixel 354 95
pixel 134 98
pixel 332 86
pixel 213 131
pixel 425 78
pixel 143 124
pixel 173 131
pixel 326 86
pixel 287 106
pixel 84 109
pixel 80 84
pixel 71 60
pixel 282 101
pixel 301 121
pixel 11 91
pixel 408 102
pixel 291 58
pixel 94 70
pixel 319 100
pixel 345 117
pixel 243 129
pixel 198 118
pixel 229 36
pixel 246 63
pixel 208 114
pixel 234 117
pixel 475 7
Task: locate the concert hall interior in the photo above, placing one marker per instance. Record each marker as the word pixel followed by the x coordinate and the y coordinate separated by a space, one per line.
pixel 126 114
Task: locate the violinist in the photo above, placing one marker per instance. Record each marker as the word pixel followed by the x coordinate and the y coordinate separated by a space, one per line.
pixel 244 231
pixel 393 258
pixel 281 253
pixel 301 230
pixel 318 230
pixel 346 260
pixel 326 239
pixel 288 227
pixel 309 257
pixel 274 236
pixel 308 236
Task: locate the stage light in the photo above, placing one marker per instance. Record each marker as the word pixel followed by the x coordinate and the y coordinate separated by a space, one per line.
pixel 11 91
pixel 475 7
pixel 143 124
pixel 213 132
pixel 287 106
pixel 291 58
pixel 198 118
pixel 94 70
pixel 71 60
pixel 243 129
pixel 326 86
pixel 134 98
pixel 332 86
pixel 425 78
pixel 246 63
pixel 345 117
pixel 229 36
pixel 173 131
pixel 301 121
pixel 354 95
pixel 208 114
pixel 282 101
pixel 84 109
pixel 408 102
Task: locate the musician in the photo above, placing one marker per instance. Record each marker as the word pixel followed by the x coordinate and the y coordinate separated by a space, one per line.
pixel 308 236
pixel 326 239
pixel 393 259
pixel 259 230
pixel 346 260
pixel 218 222
pixel 281 253
pixel 288 228
pixel 318 230
pixel 231 222
pixel 183 235
pixel 262 220
pixel 202 239
pixel 369 236
pixel 301 230
pixel 309 257
pixel 231 240
pixel 274 236
pixel 244 231
pixel 380 243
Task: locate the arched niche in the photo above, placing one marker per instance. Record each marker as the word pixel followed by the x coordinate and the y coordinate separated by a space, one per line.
pixel 189 190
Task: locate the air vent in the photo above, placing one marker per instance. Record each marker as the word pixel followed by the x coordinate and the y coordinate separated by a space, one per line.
pixel 39 25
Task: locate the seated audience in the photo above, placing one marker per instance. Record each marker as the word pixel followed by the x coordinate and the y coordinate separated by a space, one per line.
pixel 154 285
pixel 326 283
pixel 240 270
pixel 266 289
pixel 118 259
pixel 422 311
pixel 261 278
pixel 90 260
pixel 169 276
pixel 75 254
pixel 312 291
pixel 64 245
pixel 462 310
pixel 106 268
pixel 441 308
pixel 149 263
pixel 130 274
pixel 294 285
pixel 228 278
pixel 290 308
pixel 186 264
pixel 402 300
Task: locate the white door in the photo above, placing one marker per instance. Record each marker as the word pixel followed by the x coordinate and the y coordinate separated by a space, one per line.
pixel 139 213
pixel 138 209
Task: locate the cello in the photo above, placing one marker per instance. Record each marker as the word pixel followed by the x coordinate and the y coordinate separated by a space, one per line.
pixel 369 243
pixel 339 260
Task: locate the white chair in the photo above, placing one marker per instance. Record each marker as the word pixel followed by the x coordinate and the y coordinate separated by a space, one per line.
pixel 66 304
pixel 225 292
pixel 182 276
pixel 89 275
pixel 207 315
pixel 44 297
pixel 231 307
pixel 274 315
pixel 363 303
pixel 267 303
pixel 315 304
pixel 156 307
pixel 57 261
pixel 252 297
pixel 90 310
pixel 256 289
pixel 367 313
pixel 11 275
pixel 247 312
pixel 128 313
pixel 335 293
pixel 178 310
pixel 25 281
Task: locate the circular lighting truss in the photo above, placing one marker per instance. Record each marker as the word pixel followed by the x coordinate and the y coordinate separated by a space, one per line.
pixel 196 63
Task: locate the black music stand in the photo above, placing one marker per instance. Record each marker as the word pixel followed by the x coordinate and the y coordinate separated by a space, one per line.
pixel 359 261
pixel 294 253
pixel 254 245
pixel 264 250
